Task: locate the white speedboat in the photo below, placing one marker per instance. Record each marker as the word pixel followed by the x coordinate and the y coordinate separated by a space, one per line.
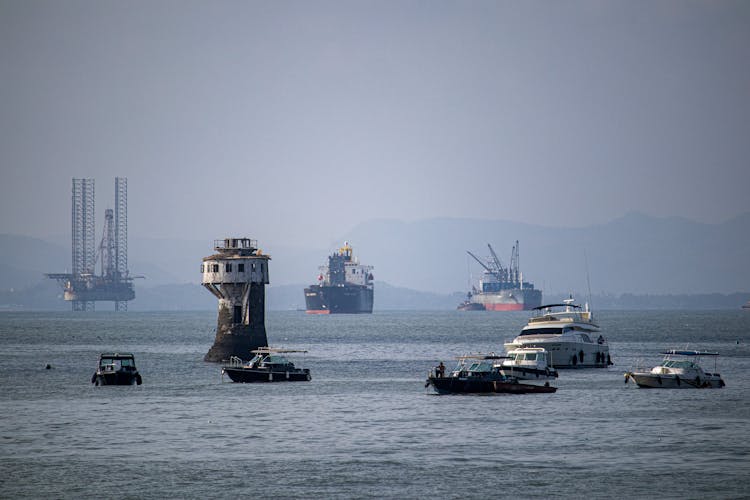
pixel 568 332
pixel 678 370
pixel 528 365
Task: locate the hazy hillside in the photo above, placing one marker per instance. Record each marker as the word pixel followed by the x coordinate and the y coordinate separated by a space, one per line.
pixel 635 253
pixel 24 260
pixel 387 298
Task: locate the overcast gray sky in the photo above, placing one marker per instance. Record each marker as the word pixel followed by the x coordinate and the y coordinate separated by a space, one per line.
pixel 294 121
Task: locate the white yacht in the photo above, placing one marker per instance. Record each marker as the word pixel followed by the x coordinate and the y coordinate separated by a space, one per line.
pixel 678 370
pixel 528 365
pixel 568 332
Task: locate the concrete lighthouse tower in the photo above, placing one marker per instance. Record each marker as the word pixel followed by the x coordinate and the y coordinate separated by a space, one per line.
pixel 237 275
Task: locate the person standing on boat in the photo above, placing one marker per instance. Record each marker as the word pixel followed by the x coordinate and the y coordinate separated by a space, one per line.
pixel 440 370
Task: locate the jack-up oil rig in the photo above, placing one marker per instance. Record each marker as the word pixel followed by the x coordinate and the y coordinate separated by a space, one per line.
pixel 83 287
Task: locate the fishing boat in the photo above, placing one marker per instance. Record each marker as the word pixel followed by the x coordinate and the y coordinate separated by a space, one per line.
pixel 116 369
pixel 530 365
pixel 678 370
pixel 568 332
pixel 268 365
pixel 480 373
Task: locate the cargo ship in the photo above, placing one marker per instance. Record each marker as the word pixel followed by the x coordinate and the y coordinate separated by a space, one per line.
pixel 503 288
pixel 344 286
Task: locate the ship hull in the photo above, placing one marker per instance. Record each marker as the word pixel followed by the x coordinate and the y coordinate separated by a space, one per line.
pixel 250 375
pixel 670 381
pixel 484 385
pixel 509 300
pixel 347 299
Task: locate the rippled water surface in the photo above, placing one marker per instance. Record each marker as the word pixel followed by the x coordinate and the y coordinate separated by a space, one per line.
pixel 365 426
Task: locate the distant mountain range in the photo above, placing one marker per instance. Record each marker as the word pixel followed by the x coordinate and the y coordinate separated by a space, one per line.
pixel 424 264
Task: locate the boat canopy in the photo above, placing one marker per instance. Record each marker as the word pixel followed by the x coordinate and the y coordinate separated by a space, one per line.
pixel 480 356
pixel 690 353
pixel 574 306
pixel 274 350
pixel 116 355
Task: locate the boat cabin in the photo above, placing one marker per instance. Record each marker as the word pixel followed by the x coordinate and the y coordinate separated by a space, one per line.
pixel 275 362
pixel 116 362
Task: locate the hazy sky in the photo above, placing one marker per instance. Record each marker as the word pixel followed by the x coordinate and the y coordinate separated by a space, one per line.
pixel 294 121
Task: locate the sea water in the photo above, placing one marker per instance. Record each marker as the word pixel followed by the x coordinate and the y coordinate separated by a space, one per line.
pixel 365 426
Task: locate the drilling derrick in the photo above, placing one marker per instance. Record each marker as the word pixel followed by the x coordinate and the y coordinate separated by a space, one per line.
pixel 237 275
pixel 121 236
pixel 83 231
pixel 83 287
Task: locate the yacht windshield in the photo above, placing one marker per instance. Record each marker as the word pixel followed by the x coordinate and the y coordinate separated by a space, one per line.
pixel 482 366
pixel 276 360
pixel 671 363
pixel 542 331
pixel 530 356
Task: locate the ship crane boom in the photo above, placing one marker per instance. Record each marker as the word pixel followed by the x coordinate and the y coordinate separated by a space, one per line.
pixel 502 273
pixel 481 263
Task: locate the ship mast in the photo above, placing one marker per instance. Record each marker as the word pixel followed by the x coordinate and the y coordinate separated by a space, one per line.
pixel 514 265
pixel 481 263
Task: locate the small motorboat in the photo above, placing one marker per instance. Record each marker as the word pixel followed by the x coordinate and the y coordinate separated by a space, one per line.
pixel 268 365
pixel 480 373
pixel 528 365
pixel 678 370
pixel 116 369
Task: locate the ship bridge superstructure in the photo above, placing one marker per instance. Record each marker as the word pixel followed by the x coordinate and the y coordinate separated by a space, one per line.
pixel 497 277
pixel 343 267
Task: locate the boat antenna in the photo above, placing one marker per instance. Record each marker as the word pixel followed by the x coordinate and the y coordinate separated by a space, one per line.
pixel 588 279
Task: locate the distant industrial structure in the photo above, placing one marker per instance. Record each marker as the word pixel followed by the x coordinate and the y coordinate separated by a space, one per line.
pixel 83 287
pixel 237 275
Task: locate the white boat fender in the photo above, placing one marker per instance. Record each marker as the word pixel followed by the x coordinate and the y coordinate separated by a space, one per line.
pixel 270 377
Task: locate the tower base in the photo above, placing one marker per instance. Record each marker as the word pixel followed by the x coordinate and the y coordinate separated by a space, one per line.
pixel 238 341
